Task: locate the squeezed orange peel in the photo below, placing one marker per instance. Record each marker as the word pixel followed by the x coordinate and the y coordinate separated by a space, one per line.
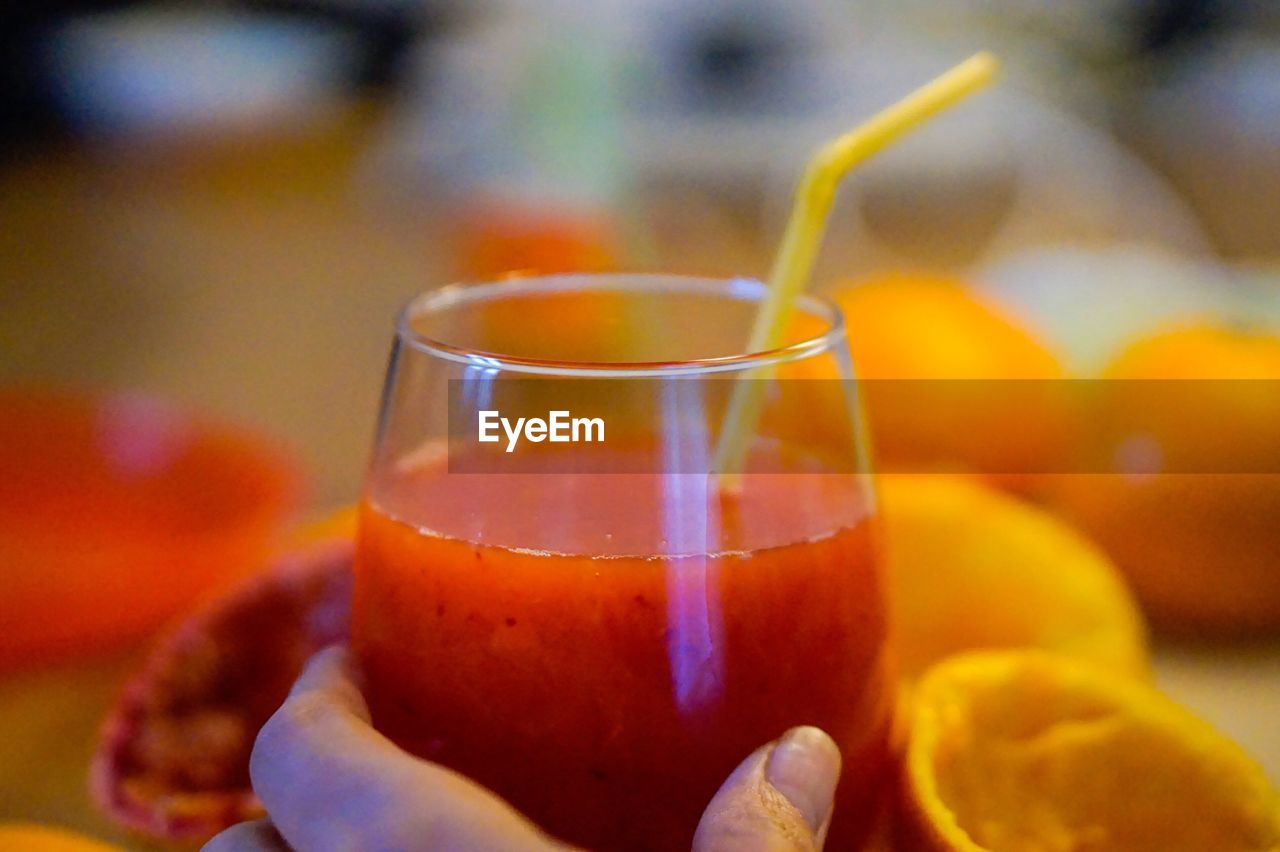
pixel 1026 750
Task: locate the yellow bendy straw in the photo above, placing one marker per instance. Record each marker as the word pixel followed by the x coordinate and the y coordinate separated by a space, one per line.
pixel 813 199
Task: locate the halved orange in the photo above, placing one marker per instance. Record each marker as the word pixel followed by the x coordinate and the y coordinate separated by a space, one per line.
pixel 1026 750
pixel 971 567
pixel 172 761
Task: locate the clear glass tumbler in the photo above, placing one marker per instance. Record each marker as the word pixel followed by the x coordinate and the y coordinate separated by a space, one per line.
pixel 600 628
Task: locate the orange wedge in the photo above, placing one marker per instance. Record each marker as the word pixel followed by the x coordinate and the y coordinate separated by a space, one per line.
pixel 27 837
pixel 1026 750
pixel 972 568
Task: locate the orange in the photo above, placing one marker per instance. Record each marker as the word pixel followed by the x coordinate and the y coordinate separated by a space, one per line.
pixel 1201 548
pixel 930 327
pixel 970 567
pixel 496 240
pixel 977 396
pixel 27 837
pixel 1025 750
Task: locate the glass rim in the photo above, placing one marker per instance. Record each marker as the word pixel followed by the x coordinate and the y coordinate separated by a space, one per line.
pixel 743 289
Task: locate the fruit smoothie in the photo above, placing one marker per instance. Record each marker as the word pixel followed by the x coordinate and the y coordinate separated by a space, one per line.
pixel 605 669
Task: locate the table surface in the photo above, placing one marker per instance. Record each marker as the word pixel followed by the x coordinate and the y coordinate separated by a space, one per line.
pixel 251 279
pixel 49 720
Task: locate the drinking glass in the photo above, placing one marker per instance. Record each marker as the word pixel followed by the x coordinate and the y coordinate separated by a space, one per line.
pixel 600 627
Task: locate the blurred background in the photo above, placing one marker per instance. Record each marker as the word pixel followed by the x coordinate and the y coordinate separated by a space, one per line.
pixel 225 203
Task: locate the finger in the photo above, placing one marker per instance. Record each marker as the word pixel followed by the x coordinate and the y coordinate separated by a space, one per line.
pixel 779 799
pixel 330 781
pixel 256 836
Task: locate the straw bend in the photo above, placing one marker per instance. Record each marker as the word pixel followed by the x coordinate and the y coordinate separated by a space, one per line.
pixel 803 236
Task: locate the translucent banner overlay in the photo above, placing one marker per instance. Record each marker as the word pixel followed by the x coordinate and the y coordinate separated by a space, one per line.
pixel 673 425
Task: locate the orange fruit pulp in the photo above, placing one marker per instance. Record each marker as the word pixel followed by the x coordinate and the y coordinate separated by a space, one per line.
pixel 118 511
pixel 558 639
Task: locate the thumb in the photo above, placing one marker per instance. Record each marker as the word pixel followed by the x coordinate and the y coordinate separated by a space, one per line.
pixel 778 800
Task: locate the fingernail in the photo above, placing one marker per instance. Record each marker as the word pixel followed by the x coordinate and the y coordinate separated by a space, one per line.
pixel 805 767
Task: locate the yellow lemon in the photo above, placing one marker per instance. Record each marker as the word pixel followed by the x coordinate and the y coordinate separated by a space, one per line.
pixel 971 567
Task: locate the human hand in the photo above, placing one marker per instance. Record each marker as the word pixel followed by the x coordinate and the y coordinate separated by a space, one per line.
pixel 329 781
